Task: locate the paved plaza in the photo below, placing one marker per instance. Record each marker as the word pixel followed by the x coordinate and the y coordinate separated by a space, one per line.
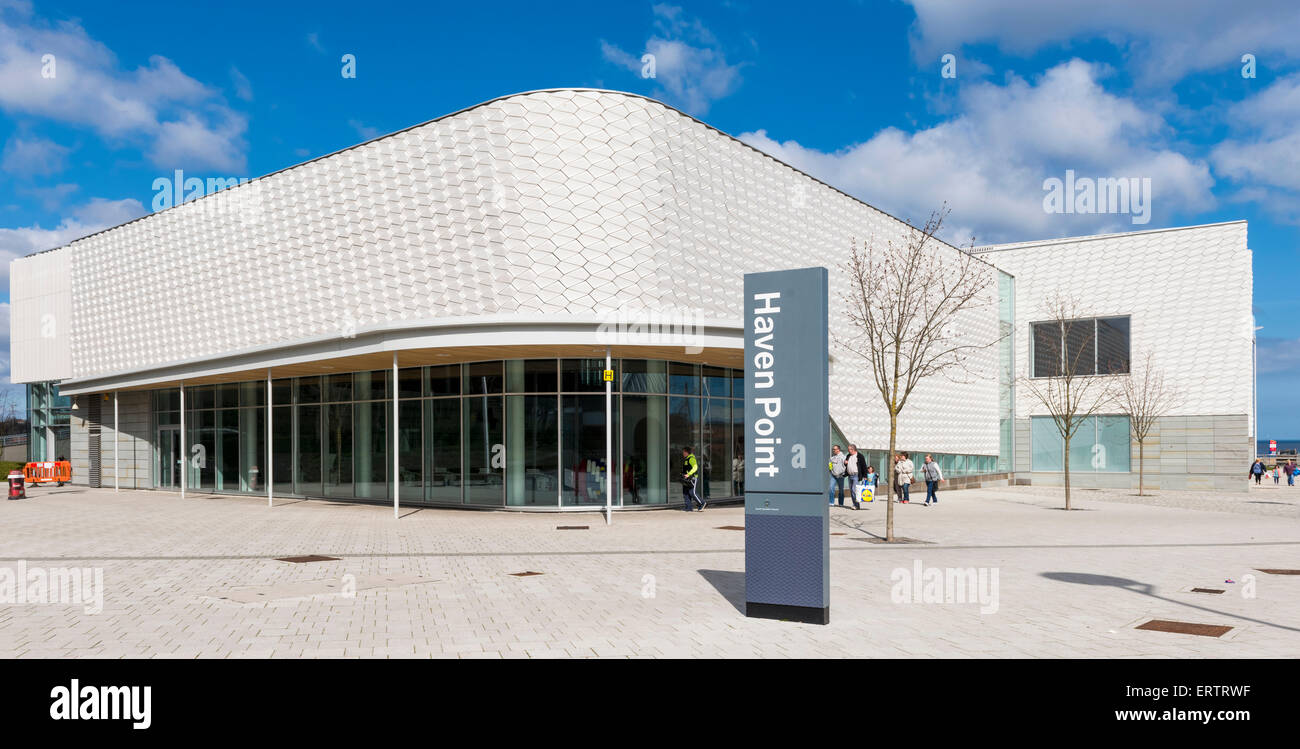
pixel 198 577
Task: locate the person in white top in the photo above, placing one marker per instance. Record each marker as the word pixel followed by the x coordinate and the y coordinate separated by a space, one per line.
pixel 903 478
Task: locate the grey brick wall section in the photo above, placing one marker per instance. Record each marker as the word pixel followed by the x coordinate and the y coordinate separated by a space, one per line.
pixel 132 441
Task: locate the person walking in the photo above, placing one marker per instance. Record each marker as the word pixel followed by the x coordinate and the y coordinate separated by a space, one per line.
pixel 1290 473
pixel 837 469
pixel 855 466
pixel 903 470
pixel 932 478
pixel 690 474
pixel 1256 470
pixel 872 480
pixel 1277 475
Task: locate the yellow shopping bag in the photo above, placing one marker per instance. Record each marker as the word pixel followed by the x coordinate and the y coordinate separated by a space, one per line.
pixel 866 493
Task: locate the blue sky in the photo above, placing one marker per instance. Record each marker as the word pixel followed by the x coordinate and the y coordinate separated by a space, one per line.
pixel 851 92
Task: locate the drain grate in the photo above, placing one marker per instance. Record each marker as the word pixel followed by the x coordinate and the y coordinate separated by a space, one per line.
pixel 729 528
pixel 839 534
pixel 1280 572
pixel 308 558
pixel 529 573
pixel 897 540
pixel 1185 628
pixel 571 527
pixel 1207 590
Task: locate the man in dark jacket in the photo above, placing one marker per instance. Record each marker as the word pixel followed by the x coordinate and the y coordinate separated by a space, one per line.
pixel 1257 470
pixel 855 466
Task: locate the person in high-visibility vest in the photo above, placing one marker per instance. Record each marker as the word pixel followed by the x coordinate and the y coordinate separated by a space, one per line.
pixel 690 474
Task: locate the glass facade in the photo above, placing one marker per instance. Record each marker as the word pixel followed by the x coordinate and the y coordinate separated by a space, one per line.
pixel 516 433
pixel 521 433
pixel 49 422
pixel 1101 445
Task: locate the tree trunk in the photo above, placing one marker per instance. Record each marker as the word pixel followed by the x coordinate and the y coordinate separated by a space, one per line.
pixel 1141 464
pixel 889 488
pixel 1067 473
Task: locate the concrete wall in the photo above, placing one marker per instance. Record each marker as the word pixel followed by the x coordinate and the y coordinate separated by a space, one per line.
pixel 1206 453
pixel 133 441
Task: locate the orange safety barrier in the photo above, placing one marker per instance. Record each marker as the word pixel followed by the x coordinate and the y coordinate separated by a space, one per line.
pixel 47 472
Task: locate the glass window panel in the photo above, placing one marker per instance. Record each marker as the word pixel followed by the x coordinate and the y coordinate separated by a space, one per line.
pixel 1113 440
pixel 252 393
pixel 410 382
pixel 484 451
pixel 282 391
pixel 738 448
pixel 645 450
pixel 227 396
pixel 1047 349
pixel 410 451
pixel 337 455
pixel 309 389
pixel 252 449
pixel 282 448
pixel 737 383
pixel 338 388
pixel 1113 345
pixel 716 382
pixel 372 433
pixel 483 378
pixel 583 441
pixel 584 375
pixel 1083 447
pixel 715 461
pixel 531 376
pixel 642 376
pixel 200 397
pixel 1046 452
pixel 309 456
pixel 532 449
pixel 683 431
pixel 371 386
pixel 167 400
pixel 444 380
pixel 1081 347
pixel 443 446
pixel 201 449
pixel 683 379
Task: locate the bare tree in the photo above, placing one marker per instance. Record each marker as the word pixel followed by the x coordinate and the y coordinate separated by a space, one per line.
pixel 1063 378
pixel 906 303
pixel 1143 396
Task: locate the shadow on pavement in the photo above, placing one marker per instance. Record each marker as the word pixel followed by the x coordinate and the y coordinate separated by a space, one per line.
pixel 730 584
pixel 1146 589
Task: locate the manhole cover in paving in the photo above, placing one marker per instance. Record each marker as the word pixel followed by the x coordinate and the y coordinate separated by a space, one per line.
pixel 1186 628
pixel 1281 572
pixel 839 534
pixel 1207 590
pixel 729 528
pixel 308 558
pixel 529 573
pixel 897 540
pixel 571 527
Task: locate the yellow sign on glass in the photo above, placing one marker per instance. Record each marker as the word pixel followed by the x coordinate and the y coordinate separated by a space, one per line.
pixel 609 375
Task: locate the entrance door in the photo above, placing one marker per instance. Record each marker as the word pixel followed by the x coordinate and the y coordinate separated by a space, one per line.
pixel 169 458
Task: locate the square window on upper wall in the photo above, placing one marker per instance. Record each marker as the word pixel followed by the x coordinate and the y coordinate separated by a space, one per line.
pixel 252 393
pixel 1046 347
pixel 683 379
pixel 444 379
pixel 282 392
pixel 410 382
pixel 584 375
pixel 531 376
pixel 338 387
pixel 644 376
pixel 371 386
pixel 716 382
pixel 309 389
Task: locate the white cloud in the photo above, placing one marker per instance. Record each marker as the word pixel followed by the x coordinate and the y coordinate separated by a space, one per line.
pixel 691 69
pixel 365 131
pixel 88 218
pixel 33 156
pixel 1263 155
pixel 58 71
pixel 989 161
pixel 1278 355
pixel 243 87
pixel 1164 39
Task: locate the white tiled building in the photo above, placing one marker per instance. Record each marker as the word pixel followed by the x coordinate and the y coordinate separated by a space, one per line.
pixel 489 247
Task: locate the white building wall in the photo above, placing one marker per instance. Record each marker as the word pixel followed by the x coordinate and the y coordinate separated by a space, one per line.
pixel 40 317
pixel 550 204
pixel 1187 290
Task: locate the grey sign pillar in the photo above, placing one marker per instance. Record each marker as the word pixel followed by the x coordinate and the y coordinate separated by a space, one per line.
pixel 787 445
